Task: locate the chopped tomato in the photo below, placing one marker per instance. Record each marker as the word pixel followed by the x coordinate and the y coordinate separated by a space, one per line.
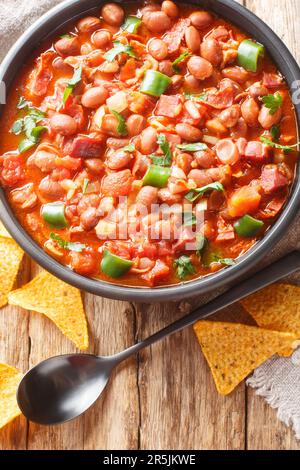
pixel 169 106
pixel 128 70
pixel 174 37
pixel 12 170
pixel 244 201
pixel 160 271
pixel 84 263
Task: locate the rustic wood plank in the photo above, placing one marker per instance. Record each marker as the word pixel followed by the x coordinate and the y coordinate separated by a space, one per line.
pixel 180 408
pixel 14 350
pixel 264 431
pixel 114 420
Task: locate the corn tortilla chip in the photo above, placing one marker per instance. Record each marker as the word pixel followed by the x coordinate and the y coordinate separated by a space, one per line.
pixel 233 350
pixel 57 300
pixel 9 381
pixel 3 232
pixel 10 259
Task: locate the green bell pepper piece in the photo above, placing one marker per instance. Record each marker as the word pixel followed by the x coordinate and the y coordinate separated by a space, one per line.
pixel 155 83
pixel 249 53
pixel 157 176
pixel 54 214
pixel 114 266
pixel 247 226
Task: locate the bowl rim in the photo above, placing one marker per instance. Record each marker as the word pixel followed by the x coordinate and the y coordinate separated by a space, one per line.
pixel 288 66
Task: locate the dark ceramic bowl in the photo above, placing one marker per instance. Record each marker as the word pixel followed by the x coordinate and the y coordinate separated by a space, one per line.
pixel 69 11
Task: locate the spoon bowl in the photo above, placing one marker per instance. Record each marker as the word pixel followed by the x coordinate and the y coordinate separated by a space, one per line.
pixel 63 387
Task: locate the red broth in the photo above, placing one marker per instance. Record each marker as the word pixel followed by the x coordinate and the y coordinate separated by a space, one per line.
pixel 160 108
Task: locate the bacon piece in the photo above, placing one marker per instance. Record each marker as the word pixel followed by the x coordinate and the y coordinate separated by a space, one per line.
pixel 169 106
pixel 272 80
pixel 186 236
pixel 225 231
pixel 272 179
pixel 159 272
pixel 85 146
pixel 221 99
pixel 42 75
pixel 117 183
pixel 272 208
pixel 255 150
pixel 174 37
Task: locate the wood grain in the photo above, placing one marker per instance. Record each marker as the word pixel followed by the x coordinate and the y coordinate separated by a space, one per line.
pixel 165 398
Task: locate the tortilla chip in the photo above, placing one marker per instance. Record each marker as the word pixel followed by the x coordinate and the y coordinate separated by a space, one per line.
pixel 57 300
pixel 233 350
pixel 9 381
pixel 277 307
pixel 10 259
pixel 3 232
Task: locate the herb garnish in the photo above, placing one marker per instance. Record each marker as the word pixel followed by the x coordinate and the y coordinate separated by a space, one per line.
pixel 269 142
pixel 78 247
pixel 184 266
pixel 121 129
pixel 119 48
pixel 166 160
pixel 28 125
pixel 179 59
pixel 192 147
pixel 194 194
pixel 273 102
pixel 77 76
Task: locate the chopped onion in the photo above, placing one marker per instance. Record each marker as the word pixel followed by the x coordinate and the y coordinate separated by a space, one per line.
pixel 209 139
pixel 98 118
pixel 118 102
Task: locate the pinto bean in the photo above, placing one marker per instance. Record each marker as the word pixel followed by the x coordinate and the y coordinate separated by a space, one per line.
pixel 50 189
pixel 95 165
pixel 88 24
pixel 200 177
pixel 211 50
pixel 170 9
pixel 102 38
pixel 135 124
pixel 24 197
pixel 157 21
pixel 250 111
pixel 60 65
pixel 43 160
pixel 166 67
pixel 118 160
pixel 191 82
pixel 240 129
pixel 110 124
pixel 148 142
pixel 227 152
pixel 88 200
pixel 192 39
pixel 165 195
pixel 94 97
pixel 63 124
pixel 67 46
pixel 89 218
pixel 188 132
pixel 184 161
pixel 114 143
pixel 147 196
pixel 112 14
pixel 230 116
pixel 150 7
pixel 267 120
pixel 238 74
pixel 200 68
pixel 158 49
pixel 201 19
pixel 257 90
pixel 205 158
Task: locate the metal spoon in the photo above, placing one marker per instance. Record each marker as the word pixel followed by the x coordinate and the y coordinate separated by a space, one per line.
pixel 63 387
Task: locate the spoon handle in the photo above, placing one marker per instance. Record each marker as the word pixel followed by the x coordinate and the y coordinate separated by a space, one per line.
pixel 285 266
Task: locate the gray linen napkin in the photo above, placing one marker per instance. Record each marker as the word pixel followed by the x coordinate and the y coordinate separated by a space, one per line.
pixel 278 380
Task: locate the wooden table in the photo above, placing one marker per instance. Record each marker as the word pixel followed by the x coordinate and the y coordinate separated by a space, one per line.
pixel 164 399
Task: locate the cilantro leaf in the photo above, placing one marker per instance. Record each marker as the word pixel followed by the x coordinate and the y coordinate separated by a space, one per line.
pixel 25 145
pixel 196 96
pixel 166 160
pixel 22 103
pixel 224 261
pixel 129 148
pixel 184 266
pixel 189 219
pixel 131 24
pixel 192 147
pixel 77 77
pixel 121 129
pixel 119 48
pixel 273 102
pixel 78 247
pixel 269 142
pixel 194 194
pixel 201 244
pixel 86 182
pixel 65 36
pixel 179 59
pixel 275 132
pixel 17 127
